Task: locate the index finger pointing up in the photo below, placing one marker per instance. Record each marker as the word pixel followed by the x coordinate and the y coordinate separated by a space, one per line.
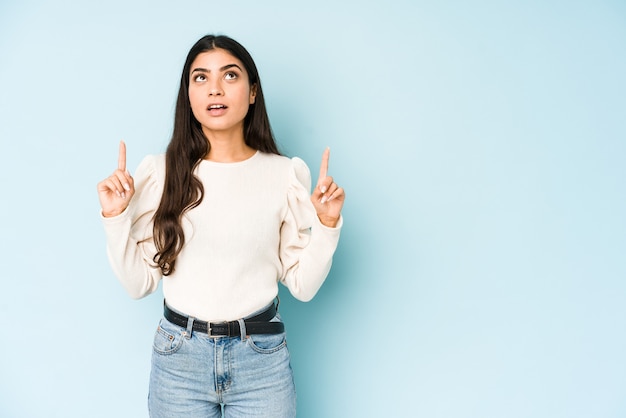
pixel 121 159
pixel 324 165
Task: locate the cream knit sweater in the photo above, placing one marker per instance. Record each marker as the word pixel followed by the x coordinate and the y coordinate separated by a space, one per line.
pixel 255 227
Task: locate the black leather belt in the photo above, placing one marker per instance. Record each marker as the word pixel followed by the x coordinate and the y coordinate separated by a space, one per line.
pixel 258 324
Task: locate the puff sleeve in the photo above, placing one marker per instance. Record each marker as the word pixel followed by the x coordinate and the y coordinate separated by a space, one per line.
pixel 129 242
pixel 306 245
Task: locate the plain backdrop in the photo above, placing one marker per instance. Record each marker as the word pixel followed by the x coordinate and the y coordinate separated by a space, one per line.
pixel 481 270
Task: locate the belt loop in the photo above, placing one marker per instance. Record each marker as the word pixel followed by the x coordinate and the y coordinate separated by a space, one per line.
pixel 190 322
pixel 277 302
pixel 242 329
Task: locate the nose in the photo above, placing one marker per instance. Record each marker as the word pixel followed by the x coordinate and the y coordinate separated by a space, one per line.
pixel 215 89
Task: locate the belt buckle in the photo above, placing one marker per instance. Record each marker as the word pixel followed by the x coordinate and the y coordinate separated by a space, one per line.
pixel 209 330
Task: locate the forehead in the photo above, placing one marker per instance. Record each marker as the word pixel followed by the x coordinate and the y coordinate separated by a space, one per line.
pixel 215 59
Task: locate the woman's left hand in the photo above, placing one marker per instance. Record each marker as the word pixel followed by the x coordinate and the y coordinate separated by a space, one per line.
pixel 327 197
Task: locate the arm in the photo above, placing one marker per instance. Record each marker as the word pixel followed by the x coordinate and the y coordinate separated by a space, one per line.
pixel 127 210
pixel 307 244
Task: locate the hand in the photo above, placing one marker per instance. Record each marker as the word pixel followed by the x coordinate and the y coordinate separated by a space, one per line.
pixel 327 197
pixel 116 190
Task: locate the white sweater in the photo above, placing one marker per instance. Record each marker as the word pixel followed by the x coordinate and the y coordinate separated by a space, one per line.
pixel 255 226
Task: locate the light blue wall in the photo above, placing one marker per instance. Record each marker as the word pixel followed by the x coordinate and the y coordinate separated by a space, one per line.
pixel 482 145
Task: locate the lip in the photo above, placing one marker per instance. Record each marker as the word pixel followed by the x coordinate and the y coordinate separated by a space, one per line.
pixel 217 109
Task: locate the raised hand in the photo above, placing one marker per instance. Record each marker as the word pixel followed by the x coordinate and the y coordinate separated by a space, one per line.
pixel 116 190
pixel 327 197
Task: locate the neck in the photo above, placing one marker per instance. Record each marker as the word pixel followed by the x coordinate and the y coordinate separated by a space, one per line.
pixel 228 147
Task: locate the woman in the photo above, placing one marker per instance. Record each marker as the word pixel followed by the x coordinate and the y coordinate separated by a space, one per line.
pixel 222 217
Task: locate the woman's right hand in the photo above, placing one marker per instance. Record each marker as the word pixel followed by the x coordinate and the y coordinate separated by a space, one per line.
pixel 116 190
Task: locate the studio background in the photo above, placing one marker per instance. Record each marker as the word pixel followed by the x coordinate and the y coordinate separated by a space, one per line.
pixel 481 144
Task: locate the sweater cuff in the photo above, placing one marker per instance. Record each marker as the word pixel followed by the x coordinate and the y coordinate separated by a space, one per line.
pixel 113 219
pixel 330 229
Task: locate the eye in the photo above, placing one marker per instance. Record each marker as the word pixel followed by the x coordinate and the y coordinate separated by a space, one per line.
pixel 199 78
pixel 231 75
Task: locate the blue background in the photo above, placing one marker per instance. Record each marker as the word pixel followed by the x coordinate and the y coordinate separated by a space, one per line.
pixel 481 144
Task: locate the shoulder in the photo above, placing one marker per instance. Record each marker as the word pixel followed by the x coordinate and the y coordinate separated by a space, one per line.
pixel 151 169
pixel 153 160
pixel 295 164
pixel 282 160
pixel 152 163
pixel 292 168
pixel 273 159
pixel 301 171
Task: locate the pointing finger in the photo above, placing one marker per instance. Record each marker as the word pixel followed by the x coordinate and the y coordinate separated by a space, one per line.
pixel 121 159
pixel 324 165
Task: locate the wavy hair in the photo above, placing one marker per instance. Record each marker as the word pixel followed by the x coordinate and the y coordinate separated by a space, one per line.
pixel 183 190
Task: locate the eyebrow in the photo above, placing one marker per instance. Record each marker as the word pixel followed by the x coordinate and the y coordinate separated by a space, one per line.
pixel 224 68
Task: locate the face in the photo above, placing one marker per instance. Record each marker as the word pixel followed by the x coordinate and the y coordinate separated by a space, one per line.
pixel 220 92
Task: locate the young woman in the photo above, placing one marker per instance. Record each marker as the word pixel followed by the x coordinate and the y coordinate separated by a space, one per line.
pixel 221 218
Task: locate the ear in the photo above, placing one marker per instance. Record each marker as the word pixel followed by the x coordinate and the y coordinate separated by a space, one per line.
pixel 252 93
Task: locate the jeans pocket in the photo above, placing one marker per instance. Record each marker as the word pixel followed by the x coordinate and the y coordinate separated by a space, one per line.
pixel 267 343
pixel 168 338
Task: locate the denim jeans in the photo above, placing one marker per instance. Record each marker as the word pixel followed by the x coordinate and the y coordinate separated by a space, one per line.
pixel 194 375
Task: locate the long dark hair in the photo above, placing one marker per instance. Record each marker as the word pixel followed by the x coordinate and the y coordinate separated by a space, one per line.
pixel 183 190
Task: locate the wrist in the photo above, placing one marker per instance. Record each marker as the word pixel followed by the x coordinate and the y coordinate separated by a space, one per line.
pixel 328 221
pixel 111 214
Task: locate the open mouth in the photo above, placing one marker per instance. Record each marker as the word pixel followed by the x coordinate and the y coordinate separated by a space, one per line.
pixel 217 109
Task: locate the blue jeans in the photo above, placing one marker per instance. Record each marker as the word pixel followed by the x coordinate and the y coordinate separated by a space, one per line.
pixel 194 375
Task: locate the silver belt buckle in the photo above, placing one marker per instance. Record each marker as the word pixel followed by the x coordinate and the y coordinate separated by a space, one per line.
pixel 209 331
